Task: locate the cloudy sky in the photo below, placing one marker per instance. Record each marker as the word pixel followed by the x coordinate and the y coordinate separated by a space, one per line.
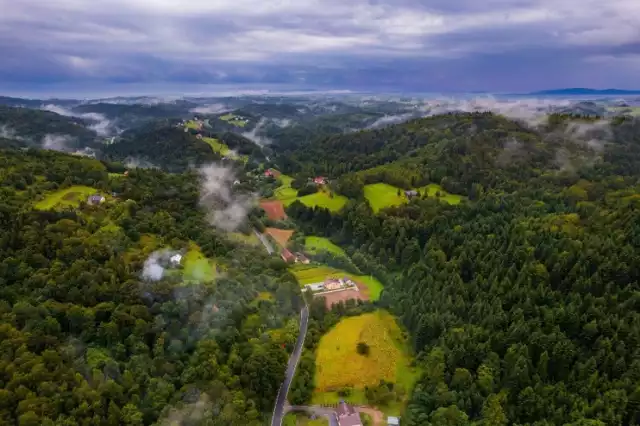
pixel 384 45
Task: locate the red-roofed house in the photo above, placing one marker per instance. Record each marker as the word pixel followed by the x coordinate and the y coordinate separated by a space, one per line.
pixel 319 180
pixel 287 256
pixel 268 173
pixel 347 415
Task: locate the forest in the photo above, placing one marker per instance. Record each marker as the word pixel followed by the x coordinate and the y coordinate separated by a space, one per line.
pixel 87 340
pixel 523 302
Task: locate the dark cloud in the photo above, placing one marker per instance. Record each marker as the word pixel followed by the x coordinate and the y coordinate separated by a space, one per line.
pixel 500 45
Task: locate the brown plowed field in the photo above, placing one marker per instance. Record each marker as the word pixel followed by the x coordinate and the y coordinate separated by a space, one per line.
pixel 274 209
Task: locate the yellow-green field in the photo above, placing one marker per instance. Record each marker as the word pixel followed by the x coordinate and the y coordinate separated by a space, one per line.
pixel 322 198
pixel 383 195
pixel 223 149
pixel 229 118
pixel 313 274
pixel 249 239
pixel 68 197
pixel 191 124
pixel 197 267
pixel 316 244
pixel 389 357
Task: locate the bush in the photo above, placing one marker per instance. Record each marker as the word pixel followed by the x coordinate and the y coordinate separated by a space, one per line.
pixel 363 348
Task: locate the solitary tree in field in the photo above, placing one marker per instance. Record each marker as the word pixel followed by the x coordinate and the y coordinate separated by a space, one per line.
pixel 363 348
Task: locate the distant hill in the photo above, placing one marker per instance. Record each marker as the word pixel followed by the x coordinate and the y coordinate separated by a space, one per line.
pixel 585 91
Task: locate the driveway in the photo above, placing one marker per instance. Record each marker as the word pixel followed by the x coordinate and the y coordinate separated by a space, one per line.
pixel 281 399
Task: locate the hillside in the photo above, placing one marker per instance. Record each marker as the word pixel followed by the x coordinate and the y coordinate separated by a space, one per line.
pixel 31 126
pixel 162 145
pixel 96 330
pixel 522 303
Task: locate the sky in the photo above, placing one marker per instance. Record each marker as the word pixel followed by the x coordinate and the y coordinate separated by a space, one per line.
pixel 151 46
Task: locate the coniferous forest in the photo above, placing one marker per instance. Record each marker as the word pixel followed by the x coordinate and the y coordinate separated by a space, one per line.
pixel 522 302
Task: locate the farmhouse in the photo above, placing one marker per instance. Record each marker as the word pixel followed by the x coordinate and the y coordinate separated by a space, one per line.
pixel 95 199
pixel 319 180
pixel 393 421
pixel 268 173
pixel 302 258
pixel 411 194
pixel 287 256
pixel 347 415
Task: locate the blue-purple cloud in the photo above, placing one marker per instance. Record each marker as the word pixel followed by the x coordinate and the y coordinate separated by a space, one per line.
pixel 497 45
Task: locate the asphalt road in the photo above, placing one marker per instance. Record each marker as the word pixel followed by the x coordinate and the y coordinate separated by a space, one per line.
pixel 267 245
pixel 281 399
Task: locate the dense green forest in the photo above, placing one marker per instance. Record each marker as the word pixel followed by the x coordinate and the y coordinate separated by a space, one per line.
pixel 162 144
pixel 524 302
pixel 86 340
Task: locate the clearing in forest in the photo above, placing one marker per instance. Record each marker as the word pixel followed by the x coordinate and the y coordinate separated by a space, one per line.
pixel 249 239
pixel 68 197
pixel 339 365
pixel 197 267
pixel 315 244
pixel 230 118
pixel 383 195
pixel 280 235
pixel 274 209
pixel 369 286
pixel 222 149
pixel 323 198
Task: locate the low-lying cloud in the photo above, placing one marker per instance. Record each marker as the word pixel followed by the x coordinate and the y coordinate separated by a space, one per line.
pixel 99 123
pixel 225 209
pixel 154 266
pixel 390 119
pixel 210 109
pixel 254 135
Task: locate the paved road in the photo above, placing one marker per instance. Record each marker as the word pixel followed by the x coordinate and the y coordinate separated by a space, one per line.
pixel 281 399
pixel 265 242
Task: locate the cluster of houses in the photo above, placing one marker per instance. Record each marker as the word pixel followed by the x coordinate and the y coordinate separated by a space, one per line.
pixel 331 284
pixel 296 257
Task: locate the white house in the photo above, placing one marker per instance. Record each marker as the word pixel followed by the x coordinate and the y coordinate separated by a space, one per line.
pixel 175 259
pixel 393 421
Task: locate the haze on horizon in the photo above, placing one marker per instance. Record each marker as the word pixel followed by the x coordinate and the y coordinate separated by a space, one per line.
pixel 161 46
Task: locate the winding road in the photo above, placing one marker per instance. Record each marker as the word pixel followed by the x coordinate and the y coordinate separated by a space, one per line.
pixel 281 399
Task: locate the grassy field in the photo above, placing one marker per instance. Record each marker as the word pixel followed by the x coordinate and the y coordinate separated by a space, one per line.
pixel 192 125
pixel 389 357
pixel 288 195
pixel 432 190
pixel 323 199
pixel 300 419
pixel 382 195
pixel 197 267
pixel 250 239
pixel 315 244
pixel 68 197
pixel 222 149
pixel 313 274
pixel 229 118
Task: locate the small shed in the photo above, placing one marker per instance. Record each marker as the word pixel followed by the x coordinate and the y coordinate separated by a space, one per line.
pixel 95 199
pixel 393 421
pixel 411 193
